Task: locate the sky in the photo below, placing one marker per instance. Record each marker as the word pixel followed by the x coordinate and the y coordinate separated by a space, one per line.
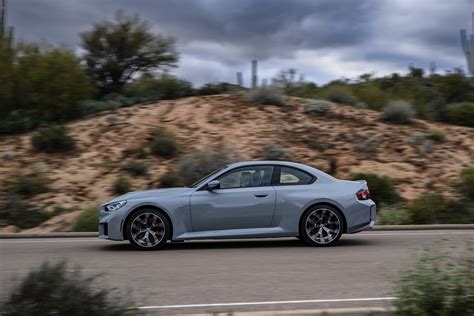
pixel 322 39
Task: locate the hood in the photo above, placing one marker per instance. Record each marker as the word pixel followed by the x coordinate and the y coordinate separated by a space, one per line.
pixel 150 193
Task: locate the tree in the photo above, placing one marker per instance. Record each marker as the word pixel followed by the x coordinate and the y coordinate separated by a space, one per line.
pixel 53 82
pixel 116 50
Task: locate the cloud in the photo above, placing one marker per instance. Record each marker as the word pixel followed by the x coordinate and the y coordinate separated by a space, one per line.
pixel 324 39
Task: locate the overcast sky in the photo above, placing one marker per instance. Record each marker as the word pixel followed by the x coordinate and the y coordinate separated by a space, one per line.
pixel 323 39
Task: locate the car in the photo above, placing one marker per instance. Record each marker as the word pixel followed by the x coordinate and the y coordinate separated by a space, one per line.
pixel 249 199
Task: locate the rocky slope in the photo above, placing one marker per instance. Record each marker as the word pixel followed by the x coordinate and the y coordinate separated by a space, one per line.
pixel 356 140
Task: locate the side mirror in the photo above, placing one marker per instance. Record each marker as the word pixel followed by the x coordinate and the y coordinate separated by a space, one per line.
pixel 214 184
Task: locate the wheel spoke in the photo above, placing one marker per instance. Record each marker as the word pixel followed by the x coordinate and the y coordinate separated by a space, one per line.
pixel 148 230
pixel 322 225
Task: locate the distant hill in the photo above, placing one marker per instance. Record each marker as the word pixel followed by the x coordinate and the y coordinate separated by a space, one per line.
pixel 356 140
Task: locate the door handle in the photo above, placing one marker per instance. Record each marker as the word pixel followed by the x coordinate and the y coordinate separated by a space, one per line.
pixel 261 195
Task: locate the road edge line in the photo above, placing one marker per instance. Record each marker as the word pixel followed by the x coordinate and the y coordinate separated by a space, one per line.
pixel 376 228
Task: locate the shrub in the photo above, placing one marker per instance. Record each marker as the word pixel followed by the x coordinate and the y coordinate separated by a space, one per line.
pixel 170 180
pixel 341 95
pixel 436 286
pixel 164 87
pixel 135 167
pixel 164 144
pixel 195 165
pixel 87 221
pixel 30 184
pixel 53 139
pixel 382 190
pixel 21 214
pixel 121 186
pixel 317 107
pixel 111 120
pixel 437 136
pixel 393 215
pixel 427 209
pixel 218 88
pixel 17 122
pixel 461 113
pixel 274 152
pixel 361 105
pixel 267 95
pixel 52 289
pixel 398 112
pixel 467 182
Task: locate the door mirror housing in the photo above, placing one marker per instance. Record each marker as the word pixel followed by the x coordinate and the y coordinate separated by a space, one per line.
pixel 214 184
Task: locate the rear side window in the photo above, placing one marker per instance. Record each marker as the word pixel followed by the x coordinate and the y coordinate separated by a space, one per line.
pixel 292 176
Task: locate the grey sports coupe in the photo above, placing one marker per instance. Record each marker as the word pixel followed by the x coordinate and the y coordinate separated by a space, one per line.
pixel 243 200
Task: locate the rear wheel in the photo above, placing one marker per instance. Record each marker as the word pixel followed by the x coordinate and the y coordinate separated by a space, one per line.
pixel 321 226
pixel 148 229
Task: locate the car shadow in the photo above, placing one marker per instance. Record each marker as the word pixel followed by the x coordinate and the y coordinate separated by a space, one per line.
pixel 239 244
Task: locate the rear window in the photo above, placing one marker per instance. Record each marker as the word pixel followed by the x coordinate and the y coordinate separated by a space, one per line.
pixel 293 176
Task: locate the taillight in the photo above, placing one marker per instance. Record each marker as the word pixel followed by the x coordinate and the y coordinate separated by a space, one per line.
pixel 363 194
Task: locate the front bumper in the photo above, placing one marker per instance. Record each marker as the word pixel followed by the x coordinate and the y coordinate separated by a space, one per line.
pixel 111 223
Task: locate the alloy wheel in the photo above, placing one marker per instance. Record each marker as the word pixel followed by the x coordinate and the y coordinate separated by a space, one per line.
pixel 322 226
pixel 147 230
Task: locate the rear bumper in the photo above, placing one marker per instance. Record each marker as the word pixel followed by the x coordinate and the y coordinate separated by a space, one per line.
pixel 365 219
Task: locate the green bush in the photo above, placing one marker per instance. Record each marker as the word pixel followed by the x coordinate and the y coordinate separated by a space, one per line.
pixel 341 95
pixel 370 96
pixel 393 215
pixel 135 167
pixel 164 87
pixel 164 144
pixel 467 182
pixel 30 184
pixel 381 188
pixel 53 289
pixel 461 114
pixel 398 112
pixel 428 209
pixel 121 186
pixel 274 152
pixel 437 286
pixel 267 95
pixel 317 107
pixel 53 139
pixel 17 122
pixel 21 214
pixel 193 166
pixel 437 136
pixel 218 88
pixel 87 221
pixel 170 180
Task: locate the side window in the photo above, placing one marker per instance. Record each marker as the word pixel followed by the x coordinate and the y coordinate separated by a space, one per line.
pixel 292 176
pixel 246 177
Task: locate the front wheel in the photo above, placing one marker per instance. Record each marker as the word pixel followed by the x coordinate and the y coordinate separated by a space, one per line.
pixel 321 226
pixel 148 229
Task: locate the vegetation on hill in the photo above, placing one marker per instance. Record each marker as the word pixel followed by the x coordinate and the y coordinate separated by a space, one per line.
pixel 440 97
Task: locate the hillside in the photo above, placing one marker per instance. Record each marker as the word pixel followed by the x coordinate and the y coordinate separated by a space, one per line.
pixel 355 138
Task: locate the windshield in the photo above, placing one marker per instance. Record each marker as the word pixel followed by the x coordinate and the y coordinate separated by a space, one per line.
pixel 200 181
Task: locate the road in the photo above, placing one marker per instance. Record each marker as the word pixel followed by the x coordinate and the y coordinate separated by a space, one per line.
pixel 244 275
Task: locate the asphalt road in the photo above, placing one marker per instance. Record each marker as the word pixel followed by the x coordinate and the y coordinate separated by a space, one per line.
pixel 242 275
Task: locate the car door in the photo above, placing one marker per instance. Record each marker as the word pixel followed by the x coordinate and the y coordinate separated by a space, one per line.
pixel 245 199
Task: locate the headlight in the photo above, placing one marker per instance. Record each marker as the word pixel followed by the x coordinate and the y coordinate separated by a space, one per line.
pixel 115 205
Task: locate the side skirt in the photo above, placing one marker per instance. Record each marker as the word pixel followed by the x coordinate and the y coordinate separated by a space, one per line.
pixel 237 233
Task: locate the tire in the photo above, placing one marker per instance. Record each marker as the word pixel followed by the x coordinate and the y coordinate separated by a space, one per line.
pixel 321 226
pixel 148 229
